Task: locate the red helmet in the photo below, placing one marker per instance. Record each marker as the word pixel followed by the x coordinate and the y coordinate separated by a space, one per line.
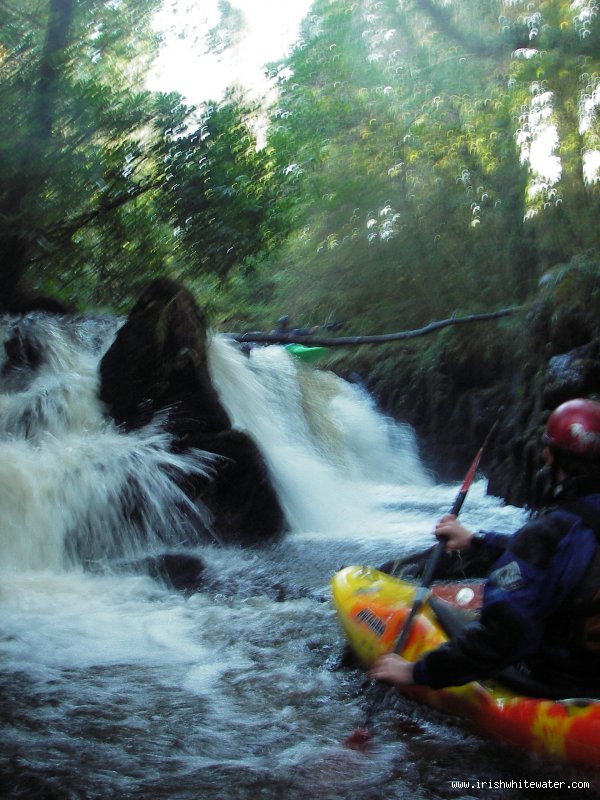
pixel 574 429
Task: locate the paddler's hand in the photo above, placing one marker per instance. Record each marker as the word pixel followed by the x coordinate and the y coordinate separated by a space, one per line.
pixel 393 669
pixel 456 536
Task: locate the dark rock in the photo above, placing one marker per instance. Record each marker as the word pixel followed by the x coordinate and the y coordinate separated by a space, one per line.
pixel 179 570
pixel 24 304
pixel 453 391
pixel 158 361
pixel 23 350
pixel 241 497
pixel 572 374
pixel 158 365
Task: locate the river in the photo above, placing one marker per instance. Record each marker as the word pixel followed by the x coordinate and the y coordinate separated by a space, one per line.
pixel 114 685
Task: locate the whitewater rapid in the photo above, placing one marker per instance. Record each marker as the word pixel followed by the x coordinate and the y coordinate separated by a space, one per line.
pixel 114 685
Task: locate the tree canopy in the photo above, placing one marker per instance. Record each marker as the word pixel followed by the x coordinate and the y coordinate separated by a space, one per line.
pixel 421 157
pixel 440 154
pixel 104 184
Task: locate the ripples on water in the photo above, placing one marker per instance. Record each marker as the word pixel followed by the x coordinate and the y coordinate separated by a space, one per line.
pixel 114 686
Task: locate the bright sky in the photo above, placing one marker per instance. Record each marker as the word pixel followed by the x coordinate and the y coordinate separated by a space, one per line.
pixel 273 26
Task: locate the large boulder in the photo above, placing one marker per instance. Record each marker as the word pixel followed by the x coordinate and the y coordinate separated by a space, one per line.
pixel 158 365
pixel 158 361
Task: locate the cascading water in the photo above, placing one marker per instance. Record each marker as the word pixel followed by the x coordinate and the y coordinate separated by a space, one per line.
pixel 114 685
pixel 319 434
pixel 66 473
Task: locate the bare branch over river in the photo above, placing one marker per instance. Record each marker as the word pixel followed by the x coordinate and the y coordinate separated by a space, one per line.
pixel 349 341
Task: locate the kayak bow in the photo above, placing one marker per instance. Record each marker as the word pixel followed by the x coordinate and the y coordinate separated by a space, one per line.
pixel 305 353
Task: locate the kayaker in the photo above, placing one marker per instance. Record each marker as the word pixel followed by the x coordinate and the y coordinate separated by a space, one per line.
pixel 541 607
pixel 283 326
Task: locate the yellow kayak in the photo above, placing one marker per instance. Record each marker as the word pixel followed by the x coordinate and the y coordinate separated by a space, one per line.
pixel 372 607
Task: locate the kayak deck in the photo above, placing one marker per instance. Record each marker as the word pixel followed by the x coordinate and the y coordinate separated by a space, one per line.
pixel 372 608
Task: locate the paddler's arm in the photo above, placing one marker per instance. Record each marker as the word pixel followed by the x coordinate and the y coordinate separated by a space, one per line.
pixel 397 670
pixel 520 592
pixel 484 647
pixel 393 669
pixel 458 537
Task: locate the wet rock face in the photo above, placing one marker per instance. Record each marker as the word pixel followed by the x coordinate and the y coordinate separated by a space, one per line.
pixel 158 365
pixel 519 381
pixel 180 571
pixel 517 467
pixel 158 362
pixel 572 374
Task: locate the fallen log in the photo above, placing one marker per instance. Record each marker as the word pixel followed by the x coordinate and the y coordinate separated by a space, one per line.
pixel 349 341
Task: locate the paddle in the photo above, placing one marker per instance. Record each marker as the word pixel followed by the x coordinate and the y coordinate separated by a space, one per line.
pixel 362 734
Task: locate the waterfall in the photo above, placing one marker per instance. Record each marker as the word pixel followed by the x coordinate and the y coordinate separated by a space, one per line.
pixel 69 479
pixel 321 436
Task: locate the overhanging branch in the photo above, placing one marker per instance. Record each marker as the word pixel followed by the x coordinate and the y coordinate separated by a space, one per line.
pixel 71 226
pixel 349 341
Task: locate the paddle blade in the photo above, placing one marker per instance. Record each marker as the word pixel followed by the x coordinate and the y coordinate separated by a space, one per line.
pixel 358 738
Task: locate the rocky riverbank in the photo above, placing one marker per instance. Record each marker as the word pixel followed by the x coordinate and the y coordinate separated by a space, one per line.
pixel 453 386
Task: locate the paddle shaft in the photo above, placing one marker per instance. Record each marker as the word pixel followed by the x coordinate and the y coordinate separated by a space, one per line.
pixel 361 735
pixel 438 551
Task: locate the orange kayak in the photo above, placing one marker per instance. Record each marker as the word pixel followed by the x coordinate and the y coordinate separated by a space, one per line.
pixel 372 607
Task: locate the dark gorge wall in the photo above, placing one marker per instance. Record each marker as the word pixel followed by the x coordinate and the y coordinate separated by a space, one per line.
pixel 453 386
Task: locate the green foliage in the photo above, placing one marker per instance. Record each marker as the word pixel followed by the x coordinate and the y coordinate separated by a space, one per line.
pixel 72 133
pixel 406 136
pixel 229 30
pixel 570 301
pixel 398 183
pixel 219 191
pixel 104 184
pixel 392 165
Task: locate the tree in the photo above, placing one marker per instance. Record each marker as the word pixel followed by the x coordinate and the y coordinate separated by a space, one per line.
pixel 219 190
pixel 398 134
pixel 400 179
pixel 34 130
pixel 72 131
pixel 105 184
pixel 554 51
